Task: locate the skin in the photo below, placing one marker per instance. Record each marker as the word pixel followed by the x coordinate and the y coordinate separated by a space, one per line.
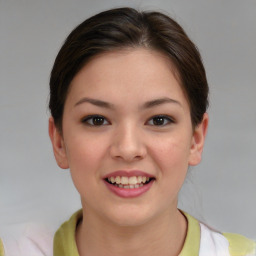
pixel 128 139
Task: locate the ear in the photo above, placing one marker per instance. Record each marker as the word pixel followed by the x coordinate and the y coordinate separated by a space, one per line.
pixel 58 145
pixel 198 141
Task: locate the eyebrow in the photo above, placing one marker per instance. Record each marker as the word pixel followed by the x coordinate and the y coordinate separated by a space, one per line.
pixel 148 104
pixel 157 102
pixel 95 102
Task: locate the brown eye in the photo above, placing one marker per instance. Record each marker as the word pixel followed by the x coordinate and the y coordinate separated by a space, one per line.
pixel 95 120
pixel 98 120
pixel 160 120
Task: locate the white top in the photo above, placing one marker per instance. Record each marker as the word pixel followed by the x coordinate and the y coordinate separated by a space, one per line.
pixel 37 241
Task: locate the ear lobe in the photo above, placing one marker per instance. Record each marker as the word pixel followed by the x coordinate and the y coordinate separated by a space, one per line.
pixel 198 141
pixel 57 145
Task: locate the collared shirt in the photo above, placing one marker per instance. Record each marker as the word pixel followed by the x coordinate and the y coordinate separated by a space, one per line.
pixel 200 241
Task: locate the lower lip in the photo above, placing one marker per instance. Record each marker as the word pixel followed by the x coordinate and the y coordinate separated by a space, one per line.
pixel 129 192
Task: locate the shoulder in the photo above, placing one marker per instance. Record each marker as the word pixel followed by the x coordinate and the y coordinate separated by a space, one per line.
pixel 35 240
pixel 210 242
pixel 240 245
pixel 225 244
pixel 1 248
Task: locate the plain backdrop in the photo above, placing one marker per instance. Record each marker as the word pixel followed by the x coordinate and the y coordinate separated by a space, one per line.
pixel 221 191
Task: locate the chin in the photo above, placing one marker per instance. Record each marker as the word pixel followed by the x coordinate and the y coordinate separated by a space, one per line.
pixel 130 217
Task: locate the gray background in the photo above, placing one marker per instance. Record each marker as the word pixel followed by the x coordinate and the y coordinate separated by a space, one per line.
pixel 221 190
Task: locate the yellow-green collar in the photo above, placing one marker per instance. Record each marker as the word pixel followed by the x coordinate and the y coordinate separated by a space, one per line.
pixel 1 248
pixel 65 242
pixel 192 241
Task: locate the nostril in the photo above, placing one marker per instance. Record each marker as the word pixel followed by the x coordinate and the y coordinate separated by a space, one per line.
pixel 127 149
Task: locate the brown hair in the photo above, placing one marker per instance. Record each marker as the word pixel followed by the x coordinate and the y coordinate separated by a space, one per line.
pixel 127 28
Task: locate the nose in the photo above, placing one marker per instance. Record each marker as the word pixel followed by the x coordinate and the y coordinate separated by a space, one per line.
pixel 127 144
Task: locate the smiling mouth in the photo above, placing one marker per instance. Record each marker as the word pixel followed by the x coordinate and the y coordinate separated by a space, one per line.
pixel 129 182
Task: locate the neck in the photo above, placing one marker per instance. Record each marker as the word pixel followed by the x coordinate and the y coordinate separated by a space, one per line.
pixel 165 235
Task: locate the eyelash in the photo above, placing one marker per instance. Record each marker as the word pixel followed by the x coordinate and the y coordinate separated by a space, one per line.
pixel 166 120
pixel 90 120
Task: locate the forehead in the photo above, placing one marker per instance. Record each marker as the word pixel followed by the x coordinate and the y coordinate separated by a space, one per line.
pixel 137 57
pixel 130 71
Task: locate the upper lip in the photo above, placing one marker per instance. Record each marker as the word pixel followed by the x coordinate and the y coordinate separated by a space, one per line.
pixel 128 173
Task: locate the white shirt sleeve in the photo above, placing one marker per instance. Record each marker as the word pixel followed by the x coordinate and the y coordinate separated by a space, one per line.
pixel 212 243
pixel 35 241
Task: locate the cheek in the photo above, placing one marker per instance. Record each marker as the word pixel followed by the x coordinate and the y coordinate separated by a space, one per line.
pixel 85 156
pixel 172 152
pixel 171 156
pixel 172 159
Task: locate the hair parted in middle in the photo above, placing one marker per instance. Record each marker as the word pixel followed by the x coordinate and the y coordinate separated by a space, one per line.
pixel 127 28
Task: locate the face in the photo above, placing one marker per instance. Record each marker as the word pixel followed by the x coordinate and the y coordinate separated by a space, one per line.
pixel 127 136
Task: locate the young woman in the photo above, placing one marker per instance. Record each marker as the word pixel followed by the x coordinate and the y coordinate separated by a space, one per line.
pixel 128 99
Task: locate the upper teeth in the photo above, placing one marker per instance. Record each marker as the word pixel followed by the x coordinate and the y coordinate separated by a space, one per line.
pixel 128 180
